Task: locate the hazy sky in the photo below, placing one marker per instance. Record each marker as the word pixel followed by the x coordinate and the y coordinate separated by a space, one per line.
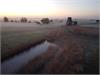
pixel 50 8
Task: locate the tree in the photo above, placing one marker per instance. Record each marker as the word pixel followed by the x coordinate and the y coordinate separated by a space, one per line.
pixel 24 20
pixel 51 20
pixel 12 21
pixel 45 21
pixel 29 21
pixel 37 22
pixel 6 19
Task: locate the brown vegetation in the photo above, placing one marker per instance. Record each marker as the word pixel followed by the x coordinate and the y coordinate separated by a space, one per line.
pixel 68 57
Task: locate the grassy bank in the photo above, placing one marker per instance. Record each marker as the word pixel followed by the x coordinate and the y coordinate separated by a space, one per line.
pixel 70 55
pixel 15 44
pixel 17 39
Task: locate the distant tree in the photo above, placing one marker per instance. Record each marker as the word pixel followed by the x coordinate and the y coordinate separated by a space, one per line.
pixel 51 20
pixel 45 20
pixel 69 21
pixel 29 21
pixel 12 20
pixel 37 22
pixel 24 20
pixel 16 21
pixel 6 19
pixel 61 21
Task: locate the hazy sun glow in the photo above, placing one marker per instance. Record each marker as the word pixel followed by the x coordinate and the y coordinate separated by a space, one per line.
pixel 48 8
pixel 26 7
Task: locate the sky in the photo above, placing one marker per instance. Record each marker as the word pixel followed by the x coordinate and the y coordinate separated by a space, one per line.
pixel 50 8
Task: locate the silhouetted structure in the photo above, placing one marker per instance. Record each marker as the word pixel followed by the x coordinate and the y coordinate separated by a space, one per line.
pixel 69 21
pixel 6 19
pixel 97 21
pixel 75 22
pixel 45 20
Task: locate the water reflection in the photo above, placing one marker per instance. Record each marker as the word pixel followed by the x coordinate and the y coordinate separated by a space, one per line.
pixel 14 64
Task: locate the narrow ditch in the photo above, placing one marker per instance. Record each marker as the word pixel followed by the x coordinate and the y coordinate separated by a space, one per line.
pixel 13 64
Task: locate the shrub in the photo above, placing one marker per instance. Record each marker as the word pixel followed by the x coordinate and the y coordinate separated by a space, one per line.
pixel 37 22
pixel 6 19
pixel 12 21
pixel 29 21
pixel 24 20
pixel 45 20
pixel 51 20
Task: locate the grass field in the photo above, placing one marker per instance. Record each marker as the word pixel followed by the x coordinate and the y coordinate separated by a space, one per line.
pixel 76 47
pixel 74 43
pixel 17 38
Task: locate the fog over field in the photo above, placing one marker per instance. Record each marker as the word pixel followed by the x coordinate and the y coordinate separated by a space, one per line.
pixel 56 22
pixel 49 36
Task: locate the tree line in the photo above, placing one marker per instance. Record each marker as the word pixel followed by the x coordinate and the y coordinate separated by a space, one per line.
pixel 25 20
pixel 69 21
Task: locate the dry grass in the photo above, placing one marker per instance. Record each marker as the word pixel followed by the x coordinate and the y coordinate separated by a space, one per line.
pixel 15 40
pixel 16 44
pixel 67 58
